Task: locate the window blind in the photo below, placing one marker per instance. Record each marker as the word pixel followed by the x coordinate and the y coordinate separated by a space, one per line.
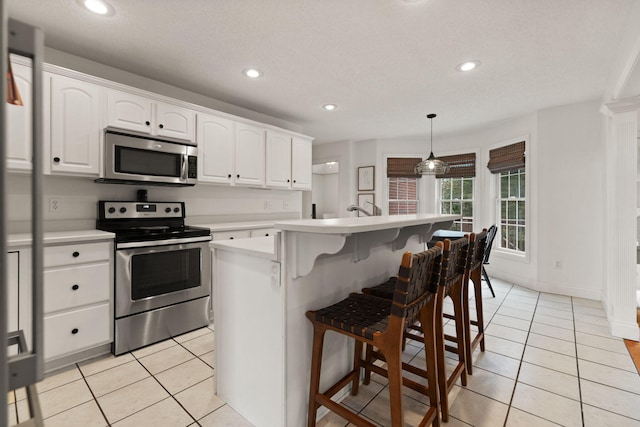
pixel 402 167
pixel 460 166
pixel 507 158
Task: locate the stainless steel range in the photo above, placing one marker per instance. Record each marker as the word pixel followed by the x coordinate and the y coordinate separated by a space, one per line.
pixel 162 271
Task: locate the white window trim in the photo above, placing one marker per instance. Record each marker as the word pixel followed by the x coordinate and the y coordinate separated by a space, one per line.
pixel 493 194
pixel 439 198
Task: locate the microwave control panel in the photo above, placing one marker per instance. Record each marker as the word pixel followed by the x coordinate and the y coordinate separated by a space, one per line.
pixel 192 167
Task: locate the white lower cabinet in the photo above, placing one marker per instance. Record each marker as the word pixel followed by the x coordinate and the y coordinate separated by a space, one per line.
pixel 78 310
pixel 76 330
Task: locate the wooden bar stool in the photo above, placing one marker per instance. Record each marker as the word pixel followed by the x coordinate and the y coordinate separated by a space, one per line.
pixel 381 323
pixel 473 273
pixel 453 271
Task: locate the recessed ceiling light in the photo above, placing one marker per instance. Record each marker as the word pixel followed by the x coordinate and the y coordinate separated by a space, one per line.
pixel 468 65
pixel 252 73
pixel 99 7
pixel 329 107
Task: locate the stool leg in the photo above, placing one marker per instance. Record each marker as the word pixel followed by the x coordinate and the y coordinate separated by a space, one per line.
pixel 440 357
pixel 316 364
pixel 357 355
pixel 466 323
pixel 459 319
pixel 394 370
pixel 367 356
pixel 477 288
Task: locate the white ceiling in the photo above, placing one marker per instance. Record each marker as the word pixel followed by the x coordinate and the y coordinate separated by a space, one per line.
pixel 386 63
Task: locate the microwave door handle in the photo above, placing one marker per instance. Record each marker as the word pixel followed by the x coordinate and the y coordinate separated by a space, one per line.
pixel 184 168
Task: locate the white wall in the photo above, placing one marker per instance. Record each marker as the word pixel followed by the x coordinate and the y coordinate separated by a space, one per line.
pixel 204 203
pixel 570 199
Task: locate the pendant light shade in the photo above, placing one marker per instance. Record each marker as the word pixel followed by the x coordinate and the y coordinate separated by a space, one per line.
pixel 431 165
pixel 13 95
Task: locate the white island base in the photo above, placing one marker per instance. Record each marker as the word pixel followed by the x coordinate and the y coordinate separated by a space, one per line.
pixel 262 288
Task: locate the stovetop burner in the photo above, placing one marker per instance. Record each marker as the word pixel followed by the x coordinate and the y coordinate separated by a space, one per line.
pixel 142 221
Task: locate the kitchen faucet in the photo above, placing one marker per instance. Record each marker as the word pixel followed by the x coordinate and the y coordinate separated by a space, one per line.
pixel 376 210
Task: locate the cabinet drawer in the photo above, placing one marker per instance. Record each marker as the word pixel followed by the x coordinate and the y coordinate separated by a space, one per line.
pixel 76 254
pixel 70 287
pixel 76 330
pixel 226 235
pixel 261 232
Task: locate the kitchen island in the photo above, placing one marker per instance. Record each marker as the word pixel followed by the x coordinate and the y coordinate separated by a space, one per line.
pixel 263 286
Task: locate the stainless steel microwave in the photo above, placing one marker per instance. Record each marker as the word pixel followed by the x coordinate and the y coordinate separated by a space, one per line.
pixel 136 158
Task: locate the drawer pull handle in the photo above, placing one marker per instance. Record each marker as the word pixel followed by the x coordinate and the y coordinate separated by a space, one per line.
pixel 75 287
pixel 76 254
pixel 74 331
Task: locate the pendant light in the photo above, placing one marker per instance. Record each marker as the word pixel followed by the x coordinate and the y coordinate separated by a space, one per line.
pixel 13 94
pixel 431 165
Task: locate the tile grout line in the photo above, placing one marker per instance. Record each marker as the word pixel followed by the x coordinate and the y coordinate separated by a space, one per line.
pixel 577 363
pixel 515 384
pixel 95 399
pixel 163 387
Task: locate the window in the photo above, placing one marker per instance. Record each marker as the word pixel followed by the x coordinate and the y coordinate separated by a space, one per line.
pixel 508 163
pixel 456 197
pixel 456 189
pixel 402 182
pixel 403 195
pixel 512 210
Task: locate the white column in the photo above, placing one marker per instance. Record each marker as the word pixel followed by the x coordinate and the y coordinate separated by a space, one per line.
pixel 620 220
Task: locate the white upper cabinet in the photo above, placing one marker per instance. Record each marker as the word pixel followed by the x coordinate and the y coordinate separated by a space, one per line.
pixel 301 170
pixel 175 122
pixel 140 114
pixel 216 138
pixel 127 111
pixel 250 155
pixel 76 126
pixel 19 122
pixel 278 159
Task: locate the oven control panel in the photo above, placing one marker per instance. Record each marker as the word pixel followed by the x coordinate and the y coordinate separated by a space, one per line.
pixel 132 210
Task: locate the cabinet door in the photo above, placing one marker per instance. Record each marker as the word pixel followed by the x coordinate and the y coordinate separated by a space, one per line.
pixel 75 126
pixel 127 111
pixel 175 122
pixel 19 122
pixel 249 155
pixel 301 168
pixel 215 149
pixel 278 160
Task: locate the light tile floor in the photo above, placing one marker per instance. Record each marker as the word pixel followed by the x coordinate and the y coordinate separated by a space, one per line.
pixel 550 361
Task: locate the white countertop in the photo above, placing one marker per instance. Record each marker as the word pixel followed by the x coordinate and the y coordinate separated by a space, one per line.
pixel 361 224
pixel 230 226
pixel 56 237
pixel 262 247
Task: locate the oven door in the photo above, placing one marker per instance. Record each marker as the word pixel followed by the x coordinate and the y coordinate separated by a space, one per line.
pixel 159 274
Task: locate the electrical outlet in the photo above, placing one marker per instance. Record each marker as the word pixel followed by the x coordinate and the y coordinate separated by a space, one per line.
pixel 558 264
pixel 285 204
pixel 54 205
pixel 268 205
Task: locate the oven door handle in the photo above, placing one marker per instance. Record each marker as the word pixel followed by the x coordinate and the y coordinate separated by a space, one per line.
pixel 128 245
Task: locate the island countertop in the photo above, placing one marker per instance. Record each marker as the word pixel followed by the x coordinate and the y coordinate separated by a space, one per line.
pixel 361 224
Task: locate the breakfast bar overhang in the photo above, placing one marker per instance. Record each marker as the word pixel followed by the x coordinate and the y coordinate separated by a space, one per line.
pixel 262 288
